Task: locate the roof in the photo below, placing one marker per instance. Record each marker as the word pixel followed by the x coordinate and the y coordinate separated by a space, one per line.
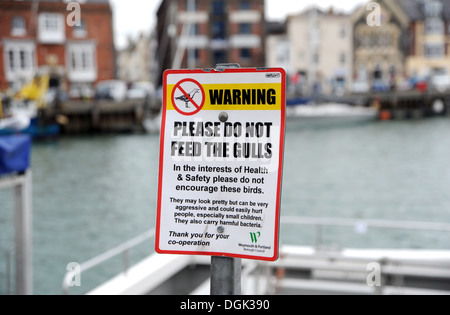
pixel 414 9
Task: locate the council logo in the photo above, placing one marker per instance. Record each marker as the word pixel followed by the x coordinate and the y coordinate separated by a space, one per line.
pixel 255 237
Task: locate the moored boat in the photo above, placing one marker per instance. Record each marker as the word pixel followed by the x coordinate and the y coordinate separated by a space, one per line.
pixel 330 114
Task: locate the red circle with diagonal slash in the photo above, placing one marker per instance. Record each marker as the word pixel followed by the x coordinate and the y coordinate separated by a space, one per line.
pixel 188 97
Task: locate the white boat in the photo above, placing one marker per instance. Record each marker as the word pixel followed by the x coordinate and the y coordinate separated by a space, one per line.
pixel 330 114
pixel 15 123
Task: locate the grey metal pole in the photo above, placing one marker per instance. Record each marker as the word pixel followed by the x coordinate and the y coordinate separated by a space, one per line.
pixel 225 271
pixel 23 222
pixel 225 276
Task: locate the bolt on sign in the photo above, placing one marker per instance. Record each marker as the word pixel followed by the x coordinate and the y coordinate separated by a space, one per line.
pixel 221 161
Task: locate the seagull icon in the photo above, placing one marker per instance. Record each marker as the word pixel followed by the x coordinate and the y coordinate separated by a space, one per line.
pixel 186 99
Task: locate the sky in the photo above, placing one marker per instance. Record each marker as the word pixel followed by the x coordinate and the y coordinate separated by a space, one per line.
pixel 133 16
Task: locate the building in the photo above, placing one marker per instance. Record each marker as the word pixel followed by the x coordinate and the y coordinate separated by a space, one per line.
pixel 429 29
pixel 36 37
pixel 278 46
pixel 321 50
pixel 136 62
pixel 203 33
pixel 380 50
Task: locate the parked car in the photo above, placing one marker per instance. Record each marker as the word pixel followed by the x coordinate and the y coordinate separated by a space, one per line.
pixel 403 84
pixel 360 86
pixel 141 90
pixel 380 86
pixel 114 90
pixel 440 80
pixel 81 92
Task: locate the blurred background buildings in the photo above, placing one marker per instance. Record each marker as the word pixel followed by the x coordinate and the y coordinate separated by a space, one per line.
pixel 323 51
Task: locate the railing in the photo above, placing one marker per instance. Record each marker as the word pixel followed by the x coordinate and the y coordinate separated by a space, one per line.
pixel 362 225
pixel 123 249
pixel 9 253
pixel 319 223
pixel 23 248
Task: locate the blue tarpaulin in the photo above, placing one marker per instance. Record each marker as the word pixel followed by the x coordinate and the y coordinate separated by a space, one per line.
pixel 15 153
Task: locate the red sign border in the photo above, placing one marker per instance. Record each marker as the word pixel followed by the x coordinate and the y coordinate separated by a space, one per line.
pixel 280 167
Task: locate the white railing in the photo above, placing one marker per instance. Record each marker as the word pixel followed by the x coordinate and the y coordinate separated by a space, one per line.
pixel 23 248
pixel 362 225
pixel 318 223
pixel 9 253
pixel 123 249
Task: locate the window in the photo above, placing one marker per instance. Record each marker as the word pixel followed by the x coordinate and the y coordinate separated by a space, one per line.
pixel 51 23
pixel 434 26
pixel 12 64
pixel 82 59
pixel 385 39
pixel 343 32
pixel 343 58
pixel 81 62
pixel 19 59
pixel 18 26
pixel 51 28
pixel 246 53
pixel 191 5
pixel 244 5
pixel 197 54
pixel 433 8
pixel 218 7
pixel 195 29
pixel 219 56
pixel 434 50
pixel 282 53
pixel 245 28
pixel 219 30
pixel 80 31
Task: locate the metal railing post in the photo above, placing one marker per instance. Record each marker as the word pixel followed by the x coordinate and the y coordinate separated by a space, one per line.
pixel 8 256
pixel 23 248
pixel 225 272
pixel 225 276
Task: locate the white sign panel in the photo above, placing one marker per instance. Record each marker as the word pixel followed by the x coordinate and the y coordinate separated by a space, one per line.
pixel 222 144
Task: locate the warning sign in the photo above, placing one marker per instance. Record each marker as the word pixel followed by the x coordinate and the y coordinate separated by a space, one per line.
pixel 221 156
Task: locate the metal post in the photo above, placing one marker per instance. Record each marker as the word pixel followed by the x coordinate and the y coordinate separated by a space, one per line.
pixel 225 276
pixel 23 248
pixel 8 254
pixel 225 272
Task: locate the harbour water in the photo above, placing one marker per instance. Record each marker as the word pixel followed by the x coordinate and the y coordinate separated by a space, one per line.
pixel 93 193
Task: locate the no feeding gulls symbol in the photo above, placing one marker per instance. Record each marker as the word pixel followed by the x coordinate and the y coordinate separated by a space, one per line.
pixel 188 97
